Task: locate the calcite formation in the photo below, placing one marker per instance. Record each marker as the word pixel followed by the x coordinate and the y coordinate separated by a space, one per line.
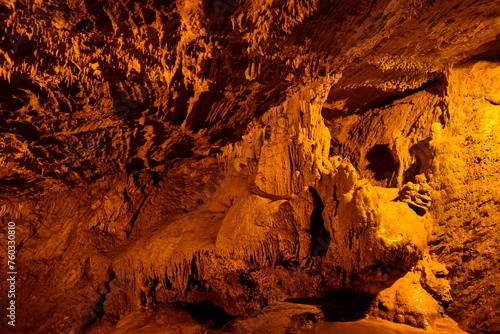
pixel 242 166
pixel 417 195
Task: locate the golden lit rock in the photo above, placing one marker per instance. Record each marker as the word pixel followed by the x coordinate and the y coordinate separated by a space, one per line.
pixel 261 166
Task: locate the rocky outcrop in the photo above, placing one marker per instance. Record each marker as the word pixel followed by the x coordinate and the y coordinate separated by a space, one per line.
pixel 165 159
pixel 418 196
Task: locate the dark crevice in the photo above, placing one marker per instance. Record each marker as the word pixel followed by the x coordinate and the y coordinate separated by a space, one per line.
pixel 340 305
pixel 245 280
pixel 148 293
pixel 487 52
pixel 346 305
pixel 98 306
pixel 337 201
pixel 126 197
pixel 24 129
pixel 320 236
pixel 156 178
pixel 84 25
pixel 132 221
pixel 362 99
pixel 135 165
pixel 418 210
pixel 194 279
pixel 445 115
pixel 495 103
pixel 207 313
pixel 180 105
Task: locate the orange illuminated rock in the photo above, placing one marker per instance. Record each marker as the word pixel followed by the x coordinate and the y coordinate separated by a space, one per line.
pixel 202 165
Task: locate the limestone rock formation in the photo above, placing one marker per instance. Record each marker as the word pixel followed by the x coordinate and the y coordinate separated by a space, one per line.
pixel 418 196
pixel 224 166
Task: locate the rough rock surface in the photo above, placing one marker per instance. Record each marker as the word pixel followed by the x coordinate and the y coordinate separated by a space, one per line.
pixel 166 159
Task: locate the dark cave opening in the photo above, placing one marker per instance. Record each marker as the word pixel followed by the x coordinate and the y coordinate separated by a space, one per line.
pixel 340 305
pixel 347 305
pixel 381 162
pixel 84 25
pixel 320 236
pixel 207 313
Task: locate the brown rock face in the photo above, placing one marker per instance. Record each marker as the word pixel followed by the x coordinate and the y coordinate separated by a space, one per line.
pixel 228 166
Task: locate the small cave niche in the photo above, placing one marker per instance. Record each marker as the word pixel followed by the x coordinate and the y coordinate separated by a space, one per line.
pixel 340 305
pixel 4 9
pixel 381 162
pixel 319 234
pixel 421 153
pixel 346 305
pixel 84 25
pixel 207 313
pixel 135 165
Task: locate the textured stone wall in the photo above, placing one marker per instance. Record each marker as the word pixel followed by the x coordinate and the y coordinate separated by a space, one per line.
pixel 162 154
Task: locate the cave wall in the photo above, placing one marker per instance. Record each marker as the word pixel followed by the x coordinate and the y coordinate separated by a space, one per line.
pixel 251 153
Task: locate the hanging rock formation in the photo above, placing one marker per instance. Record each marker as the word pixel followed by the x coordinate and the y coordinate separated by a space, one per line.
pixel 245 166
